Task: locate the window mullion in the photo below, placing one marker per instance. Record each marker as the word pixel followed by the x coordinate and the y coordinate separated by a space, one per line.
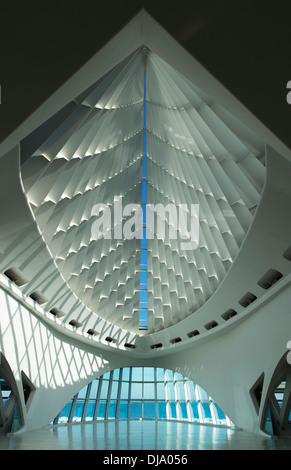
pixel 98 398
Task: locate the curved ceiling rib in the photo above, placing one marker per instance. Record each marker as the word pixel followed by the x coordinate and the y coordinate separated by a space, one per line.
pixel 91 152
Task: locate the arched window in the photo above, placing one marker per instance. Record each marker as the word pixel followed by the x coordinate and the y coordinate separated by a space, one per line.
pixel 142 393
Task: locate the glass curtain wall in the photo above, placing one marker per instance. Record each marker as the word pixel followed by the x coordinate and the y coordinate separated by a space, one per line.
pixel 142 393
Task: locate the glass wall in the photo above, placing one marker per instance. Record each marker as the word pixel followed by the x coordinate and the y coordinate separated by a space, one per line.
pixel 142 393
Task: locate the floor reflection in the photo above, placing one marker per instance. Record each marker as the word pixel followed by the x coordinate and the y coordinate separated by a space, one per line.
pixel 140 435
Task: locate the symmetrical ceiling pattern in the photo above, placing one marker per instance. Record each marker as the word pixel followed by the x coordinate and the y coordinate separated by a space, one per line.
pixel 91 151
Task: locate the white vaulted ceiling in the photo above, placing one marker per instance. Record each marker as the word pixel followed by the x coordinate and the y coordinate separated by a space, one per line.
pixel 91 151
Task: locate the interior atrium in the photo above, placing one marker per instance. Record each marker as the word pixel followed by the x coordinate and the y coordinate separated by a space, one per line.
pixel 145 254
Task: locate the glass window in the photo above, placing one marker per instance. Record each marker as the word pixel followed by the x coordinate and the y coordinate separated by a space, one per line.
pixel 152 390
pixel 161 394
pixel 191 390
pixel 124 390
pixel 170 391
pixel 94 389
pixel 180 390
pixel 162 410
pixel 144 277
pixel 116 373
pixel 112 409
pixel 123 409
pixel 183 406
pixel 136 390
pixel 149 409
pixel 195 413
pixel 78 410
pixel 82 393
pixel 170 375
pixel 143 299
pixel 173 411
pixel 143 259
pixel 219 412
pixel 104 389
pixel 160 374
pixel 149 390
pixel 136 409
pixel 149 374
pixel 202 394
pixel 144 190
pixel 101 409
pixel 114 390
pixel 90 410
pixel 206 409
pixel 137 374
pixel 65 413
pixel 125 373
pixel 178 376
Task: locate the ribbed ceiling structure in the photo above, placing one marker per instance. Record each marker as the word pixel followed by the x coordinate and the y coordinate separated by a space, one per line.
pixel 91 151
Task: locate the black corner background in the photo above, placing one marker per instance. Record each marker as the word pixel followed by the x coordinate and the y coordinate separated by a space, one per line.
pixel 245 45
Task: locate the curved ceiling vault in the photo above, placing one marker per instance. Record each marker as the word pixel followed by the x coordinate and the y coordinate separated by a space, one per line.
pixel 91 151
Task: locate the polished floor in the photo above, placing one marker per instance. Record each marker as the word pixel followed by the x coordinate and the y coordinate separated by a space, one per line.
pixel 140 435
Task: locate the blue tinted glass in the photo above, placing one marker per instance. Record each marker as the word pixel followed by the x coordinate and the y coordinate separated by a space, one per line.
pixel 149 374
pixel 143 277
pixel 123 409
pixel 195 410
pixel 178 376
pixel 161 395
pixel 112 410
pixel 78 410
pixel 203 394
pixel 102 409
pixel 94 389
pixel 144 192
pixel 170 374
pixel 124 390
pixel 137 374
pixel 90 409
pixel 183 410
pixel 136 390
pixel 143 314
pixel 65 413
pixel 144 166
pixel 191 390
pixel 162 410
pixel 148 397
pixel 114 389
pixel 173 410
pixel 104 389
pixel 181 392
pixel 143 258
pixel 136 409
pixel 219 412
pixel 125 373
pixel 82 393
pixel 144 296
pixel 149 410
pixel 160 374
pixel 116 373
pixel 149 390
pixel 206 409
pixel 144 236
pixel 144 214
pixel 171 393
